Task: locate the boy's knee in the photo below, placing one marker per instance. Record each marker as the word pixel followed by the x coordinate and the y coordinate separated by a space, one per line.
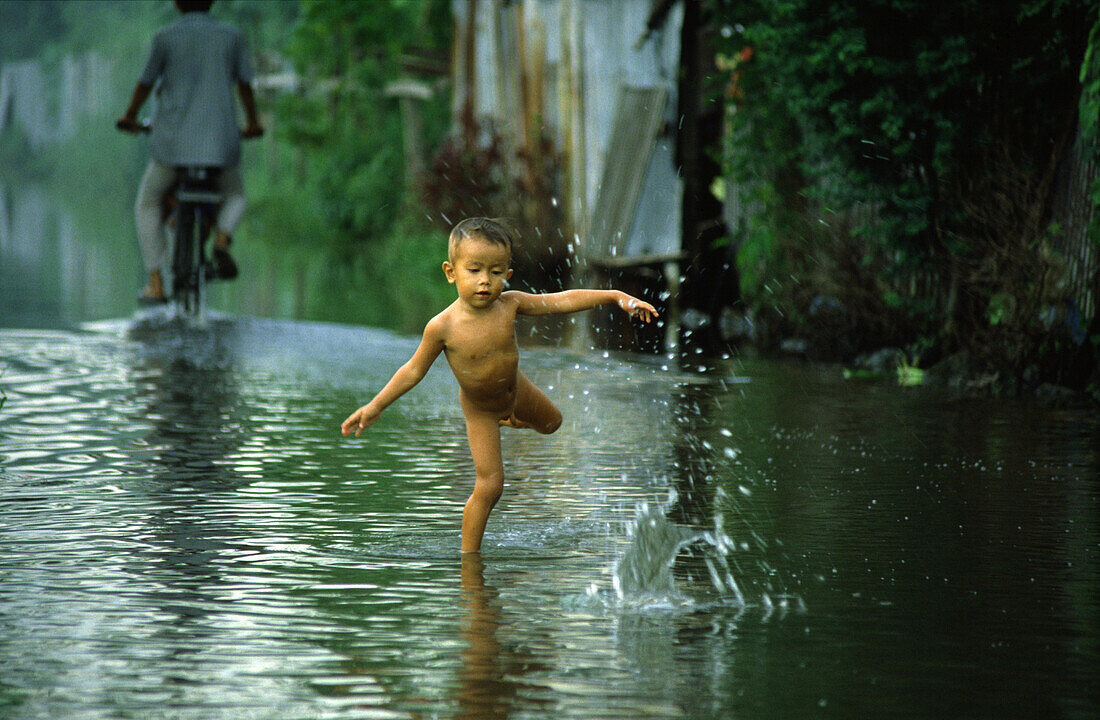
pixel 552 424
pixel 489 487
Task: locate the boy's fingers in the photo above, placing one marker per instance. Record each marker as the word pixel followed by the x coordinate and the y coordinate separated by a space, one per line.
pixel 346 426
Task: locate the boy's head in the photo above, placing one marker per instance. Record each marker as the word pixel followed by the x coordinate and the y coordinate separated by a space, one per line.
pixel 487 229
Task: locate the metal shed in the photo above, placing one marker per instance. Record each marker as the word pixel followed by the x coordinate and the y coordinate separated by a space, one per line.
pixel 588 74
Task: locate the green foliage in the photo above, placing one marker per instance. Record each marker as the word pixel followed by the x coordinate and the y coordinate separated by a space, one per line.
pixel 333 177
pixel 894 98
pixel 1090 87
pixel 1002 307
pixel 900 155
pixel 348 131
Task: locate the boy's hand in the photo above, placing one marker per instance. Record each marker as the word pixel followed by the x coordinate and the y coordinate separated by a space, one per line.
pixel 360 420
pixel 634 307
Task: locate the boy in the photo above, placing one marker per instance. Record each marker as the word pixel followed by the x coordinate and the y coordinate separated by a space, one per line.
pixel 477 334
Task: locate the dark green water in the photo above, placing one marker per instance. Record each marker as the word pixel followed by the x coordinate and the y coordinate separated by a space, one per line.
pixel 185 534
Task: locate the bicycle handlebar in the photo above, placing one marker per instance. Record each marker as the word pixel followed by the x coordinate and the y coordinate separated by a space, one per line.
pixel 133 127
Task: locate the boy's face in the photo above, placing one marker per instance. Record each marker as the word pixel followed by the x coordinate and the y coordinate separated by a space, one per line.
pixel 480 271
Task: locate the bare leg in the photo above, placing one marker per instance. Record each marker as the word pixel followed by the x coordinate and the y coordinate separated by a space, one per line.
pixel 533 409
pixel 154 290
pixel 483 433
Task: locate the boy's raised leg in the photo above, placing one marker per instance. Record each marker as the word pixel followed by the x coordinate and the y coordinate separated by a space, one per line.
pixel 533 409
pixel 483 432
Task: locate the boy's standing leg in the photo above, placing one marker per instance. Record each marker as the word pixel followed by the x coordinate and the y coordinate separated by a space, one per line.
pixel 483 432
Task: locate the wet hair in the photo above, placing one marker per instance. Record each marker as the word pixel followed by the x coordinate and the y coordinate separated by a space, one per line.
pixel 186 6
pixel 489 229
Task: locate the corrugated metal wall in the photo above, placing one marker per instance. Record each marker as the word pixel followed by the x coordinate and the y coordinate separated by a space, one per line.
pixel 1073 210
pixel 557 67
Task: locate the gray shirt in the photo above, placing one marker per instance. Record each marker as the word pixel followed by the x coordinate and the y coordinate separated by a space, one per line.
pixel 198 61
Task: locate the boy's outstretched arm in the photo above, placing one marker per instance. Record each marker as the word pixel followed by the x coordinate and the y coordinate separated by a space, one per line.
pixel 406 377
pixel 576 300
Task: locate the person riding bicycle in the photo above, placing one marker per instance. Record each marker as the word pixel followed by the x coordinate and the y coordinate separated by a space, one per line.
pixel 197 61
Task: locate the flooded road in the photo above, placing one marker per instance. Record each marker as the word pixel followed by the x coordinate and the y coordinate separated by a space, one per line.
pixel 184 533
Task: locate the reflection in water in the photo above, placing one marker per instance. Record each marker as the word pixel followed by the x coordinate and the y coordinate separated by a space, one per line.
pixel 187 394
pixel 484 692
pixel 184 386
pixel 55 270
pixel 497 666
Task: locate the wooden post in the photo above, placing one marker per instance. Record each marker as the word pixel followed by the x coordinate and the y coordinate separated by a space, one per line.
pixel 408 93
pixel 707 268
pixel 571 112
pixel 469 68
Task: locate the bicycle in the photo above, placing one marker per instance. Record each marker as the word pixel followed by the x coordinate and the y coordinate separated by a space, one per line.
pixel 197 198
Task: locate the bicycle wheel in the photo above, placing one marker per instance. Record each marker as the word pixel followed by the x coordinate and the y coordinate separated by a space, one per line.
pixel 198 261
pixel 184 276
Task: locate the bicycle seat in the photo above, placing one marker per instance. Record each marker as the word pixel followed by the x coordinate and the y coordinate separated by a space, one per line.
pixel 198 184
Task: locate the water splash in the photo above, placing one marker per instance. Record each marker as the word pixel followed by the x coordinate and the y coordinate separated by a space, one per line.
pixel 645 573
pixel 671 566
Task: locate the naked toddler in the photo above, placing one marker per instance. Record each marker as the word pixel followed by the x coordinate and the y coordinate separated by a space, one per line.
pixel 477 334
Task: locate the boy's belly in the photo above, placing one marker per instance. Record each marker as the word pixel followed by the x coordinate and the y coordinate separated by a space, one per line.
pixel 488 383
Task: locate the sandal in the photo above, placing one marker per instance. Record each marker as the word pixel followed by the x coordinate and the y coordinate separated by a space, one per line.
pixel 224 266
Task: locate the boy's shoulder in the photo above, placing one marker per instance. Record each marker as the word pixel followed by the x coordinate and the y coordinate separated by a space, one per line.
pixel 512 297
pixel 442 319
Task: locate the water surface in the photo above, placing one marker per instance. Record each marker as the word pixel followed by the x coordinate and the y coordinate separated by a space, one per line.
pixel 186 534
